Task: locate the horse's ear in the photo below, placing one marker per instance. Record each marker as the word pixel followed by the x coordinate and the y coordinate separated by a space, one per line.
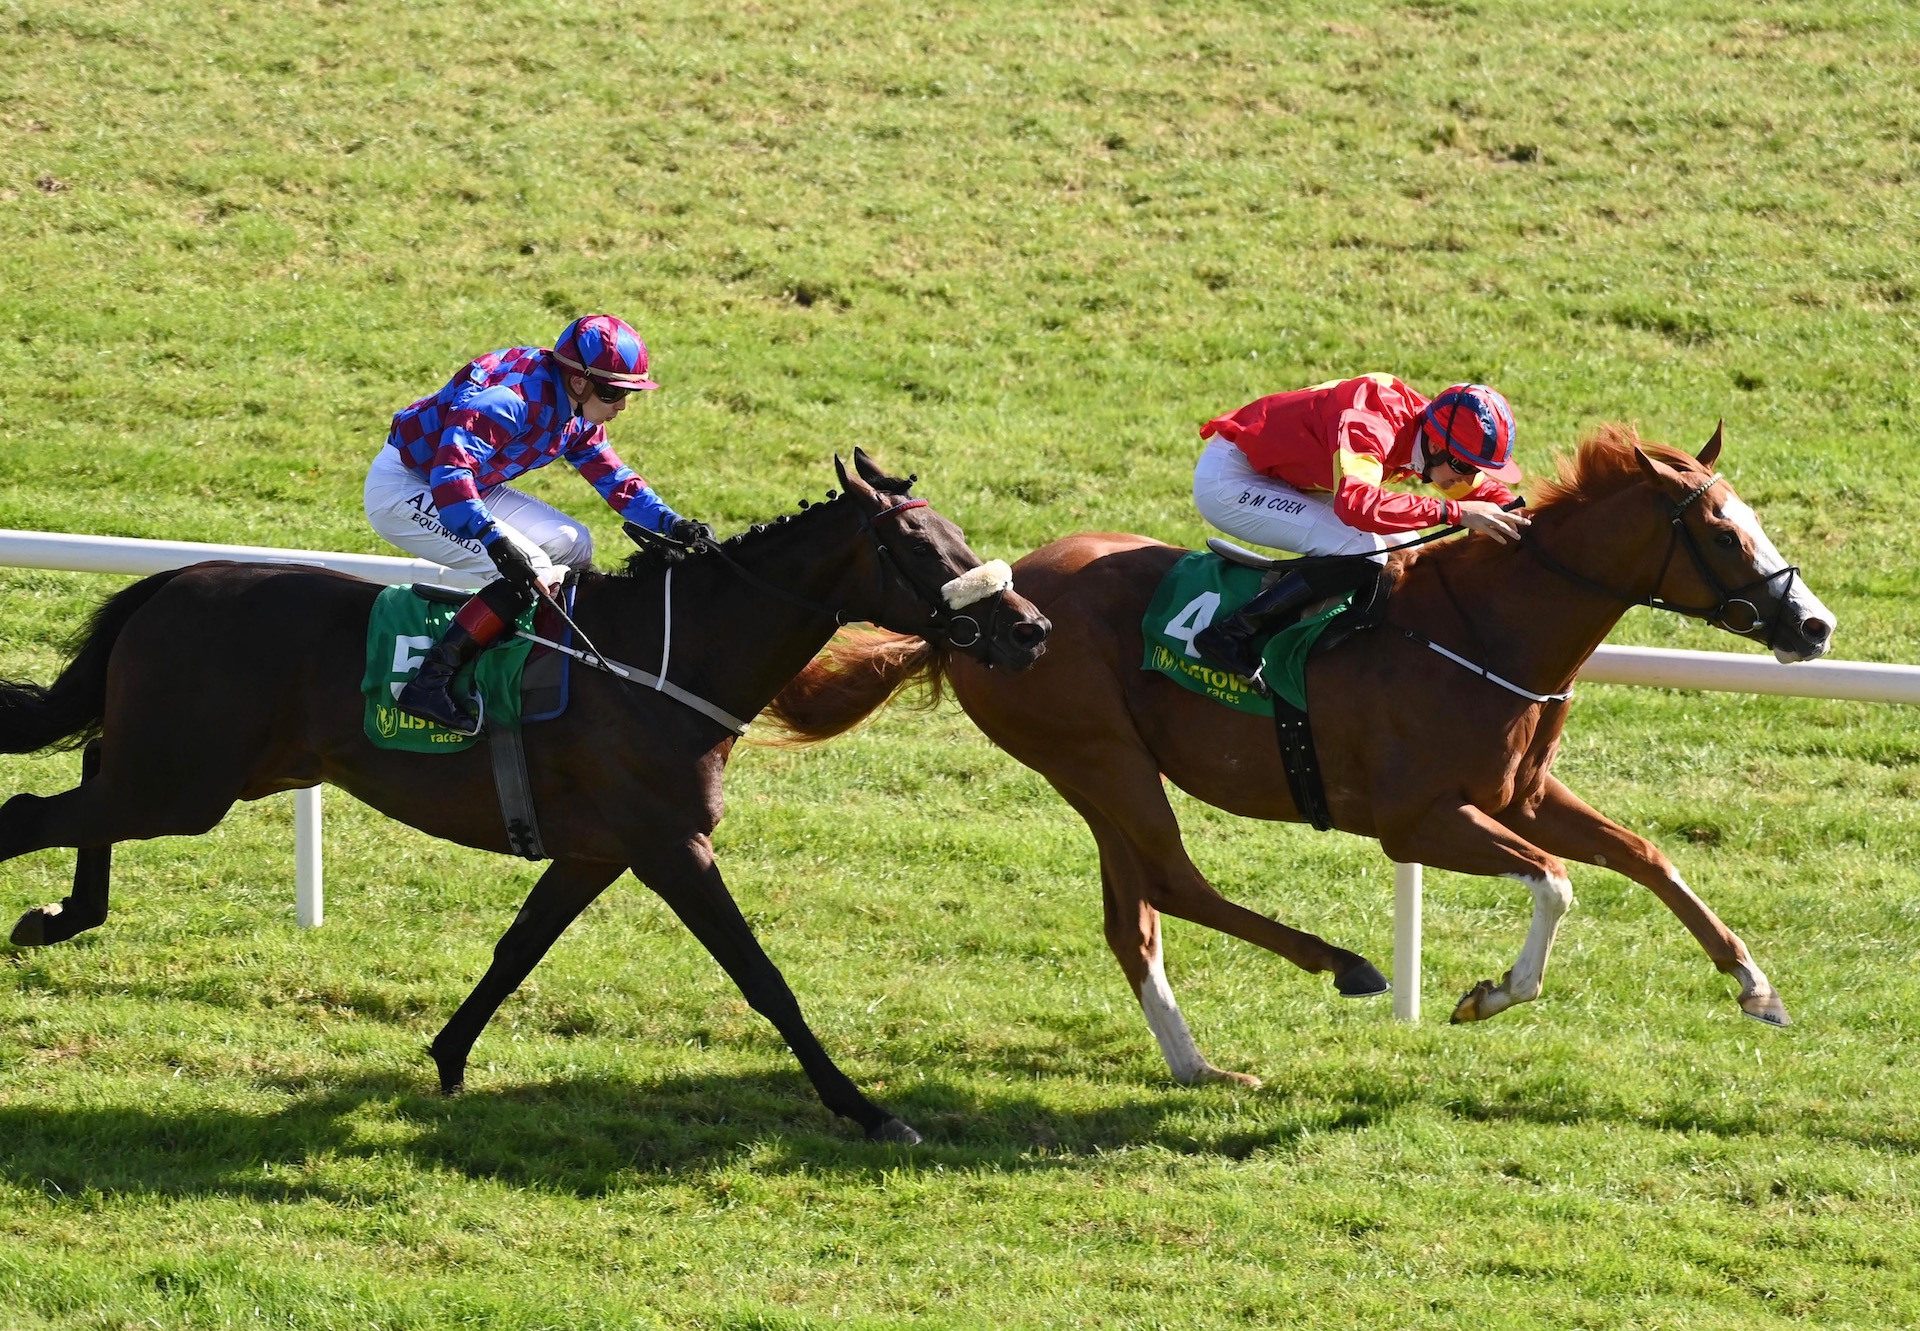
pixel 871 473
pixel 1648 465
pixel 1711 453
pixel 851 484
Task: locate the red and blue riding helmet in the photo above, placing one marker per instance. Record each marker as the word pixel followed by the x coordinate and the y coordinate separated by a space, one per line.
pixel 1474 424
pixel 606 350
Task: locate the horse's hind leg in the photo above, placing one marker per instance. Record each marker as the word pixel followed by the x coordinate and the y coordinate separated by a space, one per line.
pixel 1145 870
pixel 86 906
pixel 1566 825
pixel 124 795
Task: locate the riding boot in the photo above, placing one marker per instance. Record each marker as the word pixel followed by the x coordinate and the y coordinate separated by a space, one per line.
pixel 429 694
pixel 486 618
pixel 1234 644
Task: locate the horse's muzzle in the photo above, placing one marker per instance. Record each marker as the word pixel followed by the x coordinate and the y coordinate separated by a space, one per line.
pixel 1015 635
pixel 1804 633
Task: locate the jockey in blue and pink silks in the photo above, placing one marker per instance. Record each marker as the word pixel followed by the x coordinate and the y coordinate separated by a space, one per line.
pixel 438 489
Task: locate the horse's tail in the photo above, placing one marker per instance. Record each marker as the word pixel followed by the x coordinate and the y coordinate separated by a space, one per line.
pixel 849 681
pixel 68 712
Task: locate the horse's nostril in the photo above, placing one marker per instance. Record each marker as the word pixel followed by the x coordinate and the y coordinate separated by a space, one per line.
pixel 1031 632
pixel 1815 630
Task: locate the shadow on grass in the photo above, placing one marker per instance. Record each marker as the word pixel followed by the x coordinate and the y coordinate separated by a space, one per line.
pixel 581 1135
pixel 589 1136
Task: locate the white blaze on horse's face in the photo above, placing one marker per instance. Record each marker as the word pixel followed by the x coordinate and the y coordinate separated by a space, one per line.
pixel 1800 604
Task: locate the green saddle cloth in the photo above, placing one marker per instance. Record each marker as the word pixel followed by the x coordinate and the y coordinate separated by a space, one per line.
pixel 399 632
pixel 1201 588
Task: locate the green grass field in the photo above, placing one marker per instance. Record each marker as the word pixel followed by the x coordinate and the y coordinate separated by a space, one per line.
pixel 1022 251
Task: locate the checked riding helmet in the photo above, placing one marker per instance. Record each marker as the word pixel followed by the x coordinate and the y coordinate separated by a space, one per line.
pixel 1473 423
pixel 606 350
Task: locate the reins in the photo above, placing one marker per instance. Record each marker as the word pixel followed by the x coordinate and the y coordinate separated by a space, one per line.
pixel 752 579
pixel 1732 601
pixel 1453 656
pixel 632 674
pixel 943 617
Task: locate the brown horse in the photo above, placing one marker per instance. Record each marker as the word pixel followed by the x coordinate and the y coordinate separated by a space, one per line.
pixel 224 681
pixel 1433 756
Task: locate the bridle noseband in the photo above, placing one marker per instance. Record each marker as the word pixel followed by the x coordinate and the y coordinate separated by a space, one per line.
pixel 948 622
pixel 1735 611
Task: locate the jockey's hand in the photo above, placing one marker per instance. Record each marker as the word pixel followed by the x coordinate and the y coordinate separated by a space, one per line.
pixel 512 562
pixel 688 532
pixel 1489 519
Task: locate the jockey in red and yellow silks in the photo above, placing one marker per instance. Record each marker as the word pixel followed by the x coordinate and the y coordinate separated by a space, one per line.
pixel 1346 437
pixel 1305 471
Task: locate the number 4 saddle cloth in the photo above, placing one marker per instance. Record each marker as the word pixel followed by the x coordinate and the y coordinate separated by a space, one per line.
pixel 1203 587
pixel 516 681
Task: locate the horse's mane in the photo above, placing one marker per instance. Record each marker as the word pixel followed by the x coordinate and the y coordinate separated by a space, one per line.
pixel 649 559
pixel 1603 464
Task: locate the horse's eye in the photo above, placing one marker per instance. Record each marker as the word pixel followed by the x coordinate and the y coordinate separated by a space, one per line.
pixel 1728 539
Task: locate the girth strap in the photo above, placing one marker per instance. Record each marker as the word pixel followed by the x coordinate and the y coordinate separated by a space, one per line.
pixel 509 753
pixel 1302 763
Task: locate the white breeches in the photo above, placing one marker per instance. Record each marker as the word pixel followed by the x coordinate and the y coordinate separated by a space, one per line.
pixel 400 507
pixel 1251 507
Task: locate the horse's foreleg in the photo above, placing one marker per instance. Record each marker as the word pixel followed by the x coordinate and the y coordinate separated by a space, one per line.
pixel 689 881
pixel 1465 840
pixel 1566 825
pixel 86 906
pixel 564 890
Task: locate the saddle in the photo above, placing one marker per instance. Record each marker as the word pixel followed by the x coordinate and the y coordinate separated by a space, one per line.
pixel 1337 575
pixel 529 683
pixel 1370 585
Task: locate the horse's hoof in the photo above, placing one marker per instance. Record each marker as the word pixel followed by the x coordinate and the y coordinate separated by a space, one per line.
pixel 1767 1009
pixel 1469 1008
pixel 1212 1076
pixel 52 923
pixel 1361 981
pixel 453 1075
pixel 31 931
pixel 894 1131
pixel 43 925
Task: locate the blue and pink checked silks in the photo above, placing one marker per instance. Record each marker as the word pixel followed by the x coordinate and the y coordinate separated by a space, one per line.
pixel 503 415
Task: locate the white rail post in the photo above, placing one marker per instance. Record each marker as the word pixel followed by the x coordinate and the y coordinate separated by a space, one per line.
pixel 309 906
pixel 1406 941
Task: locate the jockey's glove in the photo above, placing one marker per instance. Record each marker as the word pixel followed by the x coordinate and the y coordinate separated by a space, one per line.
pixel 512 562
pixel 688 532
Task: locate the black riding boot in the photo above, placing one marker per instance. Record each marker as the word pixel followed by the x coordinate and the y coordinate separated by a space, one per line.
pixel 429 694
pixel 1234 643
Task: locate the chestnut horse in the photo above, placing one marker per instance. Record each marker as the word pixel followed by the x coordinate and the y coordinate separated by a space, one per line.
pixel 226 681
pixel 1430 755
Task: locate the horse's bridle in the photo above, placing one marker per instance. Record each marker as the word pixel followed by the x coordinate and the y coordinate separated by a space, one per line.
pixel 1721 614
pixel 946 621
